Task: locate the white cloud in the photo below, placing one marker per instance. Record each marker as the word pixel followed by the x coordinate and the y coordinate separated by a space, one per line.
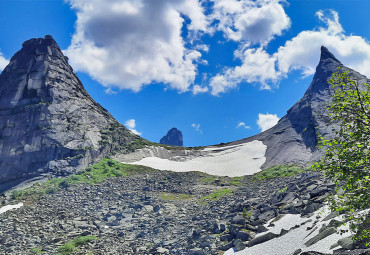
pixel 131 124
pixel 257 66
pixel 242 124
pixel 250 21
pixel 302 53
pixel 266 121
pixel 3 62
pixel 197 127
pixel 198 89
pixel 130 44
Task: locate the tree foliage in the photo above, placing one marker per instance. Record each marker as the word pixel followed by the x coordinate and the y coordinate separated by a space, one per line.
pixel 347 156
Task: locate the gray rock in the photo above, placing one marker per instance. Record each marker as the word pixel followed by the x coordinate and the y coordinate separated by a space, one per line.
pixel 239 220
pixel 321 235
pixel 346 243
pixel 239 245
pixel 297 252
pixel 263 238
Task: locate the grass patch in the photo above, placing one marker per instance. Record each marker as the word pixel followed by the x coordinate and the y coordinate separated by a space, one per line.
pixel 246 214
pixel 208 179
pixel 175 196
pixel 236 181
pixel 97 173
pixel 36 250
pixel 217 194
pixel 70 247
pixel 279 171
pixel 282 190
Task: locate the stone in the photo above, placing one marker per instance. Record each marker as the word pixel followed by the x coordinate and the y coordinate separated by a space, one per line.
pixel 346 243
pixel 162 250
pixel 239 245
pixel 239 220
pixel 173 137
pixel 262 238
pixel 321 235
pixel 243 235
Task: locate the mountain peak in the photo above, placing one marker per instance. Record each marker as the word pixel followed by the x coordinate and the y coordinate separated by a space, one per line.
pixel 42 46
pixel 48 122
pixel 173 137
pixel 326 54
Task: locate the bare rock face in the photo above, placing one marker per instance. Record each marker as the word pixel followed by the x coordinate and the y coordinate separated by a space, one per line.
pixel 173 137
pixel 294 138
pixel 48 122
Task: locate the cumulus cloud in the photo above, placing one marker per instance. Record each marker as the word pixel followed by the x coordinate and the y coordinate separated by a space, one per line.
pixel 197 127
pixel 198 89
pixel 3 62
pixel 302 52
pixel 257 66
pixel 242 124
pixel 257 21
pixel 130 44
pixel 131 124
pixel 266 121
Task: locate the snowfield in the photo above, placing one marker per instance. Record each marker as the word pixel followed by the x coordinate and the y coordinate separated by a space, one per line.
pixel 295 239
pixel 234 160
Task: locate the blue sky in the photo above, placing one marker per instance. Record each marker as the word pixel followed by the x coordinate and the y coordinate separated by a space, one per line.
pixel 218 70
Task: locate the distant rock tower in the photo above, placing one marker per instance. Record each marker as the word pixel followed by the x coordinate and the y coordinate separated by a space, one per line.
pixel 173 137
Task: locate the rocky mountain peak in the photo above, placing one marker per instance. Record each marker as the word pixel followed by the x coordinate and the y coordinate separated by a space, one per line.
pixel 173 137
pixel 48 122
pixel 294 138
pixel 40 45
pixel 327 55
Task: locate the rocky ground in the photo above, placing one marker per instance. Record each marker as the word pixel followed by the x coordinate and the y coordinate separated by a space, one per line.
pixel 161 213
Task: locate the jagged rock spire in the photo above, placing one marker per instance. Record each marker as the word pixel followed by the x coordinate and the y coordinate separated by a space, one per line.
pixel 326 54
pixel 48 122
pixel 173 137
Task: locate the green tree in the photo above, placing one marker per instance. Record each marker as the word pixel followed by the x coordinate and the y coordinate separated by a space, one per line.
pixel 347 155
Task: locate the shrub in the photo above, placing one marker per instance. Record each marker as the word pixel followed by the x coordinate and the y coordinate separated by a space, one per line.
pixel 279 171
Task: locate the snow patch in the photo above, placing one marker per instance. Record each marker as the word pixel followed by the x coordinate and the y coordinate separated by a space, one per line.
pixel 10 207
pixel 295 239
pixel 233 160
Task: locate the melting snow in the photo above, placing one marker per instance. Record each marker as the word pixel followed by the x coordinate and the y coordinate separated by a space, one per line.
pixel 235 160
pixel 10 207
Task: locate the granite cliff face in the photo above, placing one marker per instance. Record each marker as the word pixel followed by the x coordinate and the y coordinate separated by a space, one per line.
pixel 173 137
pixel 48 122
pixel 293 139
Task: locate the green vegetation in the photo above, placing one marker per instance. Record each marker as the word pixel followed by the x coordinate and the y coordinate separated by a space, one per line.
pixel 175 196
pixel 208 179
pixel 347 156
pixel 236 181
pixel 36 250
pixel 282 190
pixel 216 195
pixel 70 247
pixel 246 214
pixel 279 171
pixel 97 173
